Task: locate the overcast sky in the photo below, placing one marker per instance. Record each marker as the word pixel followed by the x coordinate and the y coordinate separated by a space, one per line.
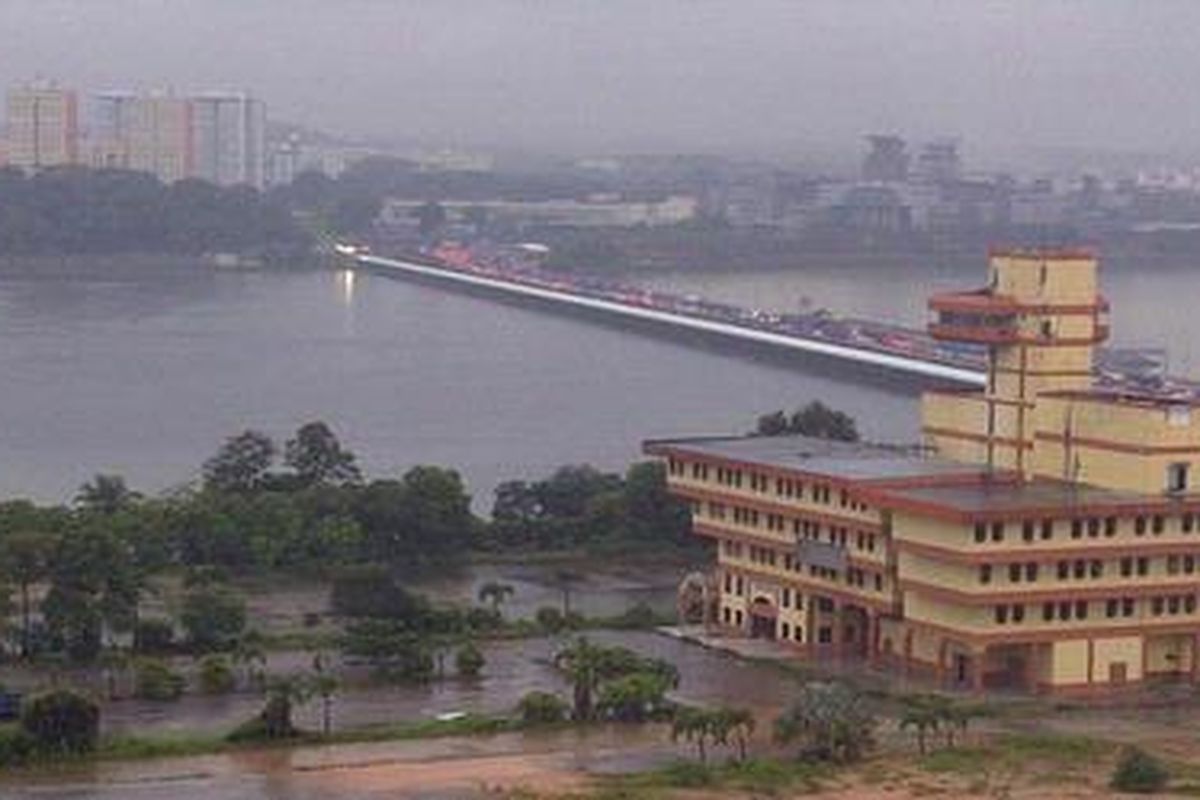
pixel 634 75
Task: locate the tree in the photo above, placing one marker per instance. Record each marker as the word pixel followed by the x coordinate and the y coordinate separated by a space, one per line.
pixel 815 419
pixel 581 662
pixel 216 675
pixel 157 681
pixel 923 714
pixel 212 617
pixel 316 455
pixel 62 721
pixel 694 725
pixel 25 560
pixel 1139 772
pixel 284 693
pixel 633 698
pixel 92 582
pixel 822 422
pixel 371 590
pixel 773 424
pixel 495 593
pixel 241 463
pixel 154 636
pixel 831 721
pixel 734 723
pixel 325 684
pixel 542 708
pixel 106 494
pixel 468 661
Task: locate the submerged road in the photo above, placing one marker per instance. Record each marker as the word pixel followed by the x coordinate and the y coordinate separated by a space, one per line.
pixel 912 365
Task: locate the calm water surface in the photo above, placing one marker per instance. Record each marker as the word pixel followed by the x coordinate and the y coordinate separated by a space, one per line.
pixel 145 373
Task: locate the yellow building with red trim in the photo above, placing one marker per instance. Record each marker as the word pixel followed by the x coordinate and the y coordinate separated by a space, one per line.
pixel 1046 535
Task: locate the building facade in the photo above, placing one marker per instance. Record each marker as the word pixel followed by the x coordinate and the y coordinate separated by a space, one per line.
pixel 43 127
pixel 145 132
pixel 229 139
pixel 1046 536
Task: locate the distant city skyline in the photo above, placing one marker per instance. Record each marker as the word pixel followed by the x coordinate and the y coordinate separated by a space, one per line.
pixel 769 78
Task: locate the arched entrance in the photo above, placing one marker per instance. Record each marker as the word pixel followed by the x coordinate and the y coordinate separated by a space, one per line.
pixel 763 619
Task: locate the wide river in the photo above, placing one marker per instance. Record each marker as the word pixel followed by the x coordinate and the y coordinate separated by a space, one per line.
pixel 143 371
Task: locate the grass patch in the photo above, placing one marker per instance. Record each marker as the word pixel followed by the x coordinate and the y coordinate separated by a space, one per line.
pixel 757 775
pixel 1058 748
pixel 114 748
pixel 958 760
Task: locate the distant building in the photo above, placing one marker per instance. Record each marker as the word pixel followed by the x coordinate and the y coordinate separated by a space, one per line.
pixel 217 137
pixel 591 213
pixel 43 127
pixel 145 132
pixel 228 139
pixel 938 162
pixel 887 161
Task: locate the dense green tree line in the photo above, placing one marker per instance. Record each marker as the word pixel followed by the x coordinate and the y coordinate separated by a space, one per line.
pixel 579 505
pixel 79 210
pixel 72 579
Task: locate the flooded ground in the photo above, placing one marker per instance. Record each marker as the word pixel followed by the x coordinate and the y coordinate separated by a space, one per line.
pixel 513 668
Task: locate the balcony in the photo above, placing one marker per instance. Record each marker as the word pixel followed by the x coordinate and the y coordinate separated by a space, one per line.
pixel 977 327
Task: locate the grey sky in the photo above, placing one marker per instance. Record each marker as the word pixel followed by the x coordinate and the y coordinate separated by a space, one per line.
pixel 741 75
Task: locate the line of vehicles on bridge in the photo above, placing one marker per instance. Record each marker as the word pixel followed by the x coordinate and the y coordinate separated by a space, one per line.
pixel 1134 369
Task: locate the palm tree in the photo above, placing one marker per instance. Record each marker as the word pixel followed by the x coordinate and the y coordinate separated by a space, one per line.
pixel 325 684
pixel 738 723
pixel 925 716
pixel 106 494
pixel 581 661
pixel 694 725
pixel 495 593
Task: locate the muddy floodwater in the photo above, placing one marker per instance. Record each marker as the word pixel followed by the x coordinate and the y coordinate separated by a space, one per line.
pixel 434 768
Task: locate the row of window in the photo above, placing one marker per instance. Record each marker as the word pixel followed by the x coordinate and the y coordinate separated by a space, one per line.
pixel 1081 569
pixel 854 576
pixel 1113 607
pixel 763 484
pixel 1091 527
pixel 801 528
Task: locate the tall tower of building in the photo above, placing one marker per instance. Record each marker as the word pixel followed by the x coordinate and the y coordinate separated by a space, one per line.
pixel 1040 317
pixel 229 131
pixel 43 129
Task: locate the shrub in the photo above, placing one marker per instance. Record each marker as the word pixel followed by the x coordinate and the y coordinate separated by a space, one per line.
pixel 154 636
pixel 637 616
pixel 16 746
pixel 1139 772
pixel 468 660
pixel 157 681
pixel 542 708
pixel 213 617
pixel 633 698
pixel 216 675
pixel 62 721
pixel 551 619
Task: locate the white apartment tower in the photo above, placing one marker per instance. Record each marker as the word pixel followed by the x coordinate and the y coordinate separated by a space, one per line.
pixel 228 133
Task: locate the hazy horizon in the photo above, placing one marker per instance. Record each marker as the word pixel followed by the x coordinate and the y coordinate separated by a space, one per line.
pixel 759 78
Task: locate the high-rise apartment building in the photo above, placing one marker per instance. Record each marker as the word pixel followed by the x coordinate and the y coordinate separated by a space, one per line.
pixel 228 134
pixel 151 133
pixel 43 128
